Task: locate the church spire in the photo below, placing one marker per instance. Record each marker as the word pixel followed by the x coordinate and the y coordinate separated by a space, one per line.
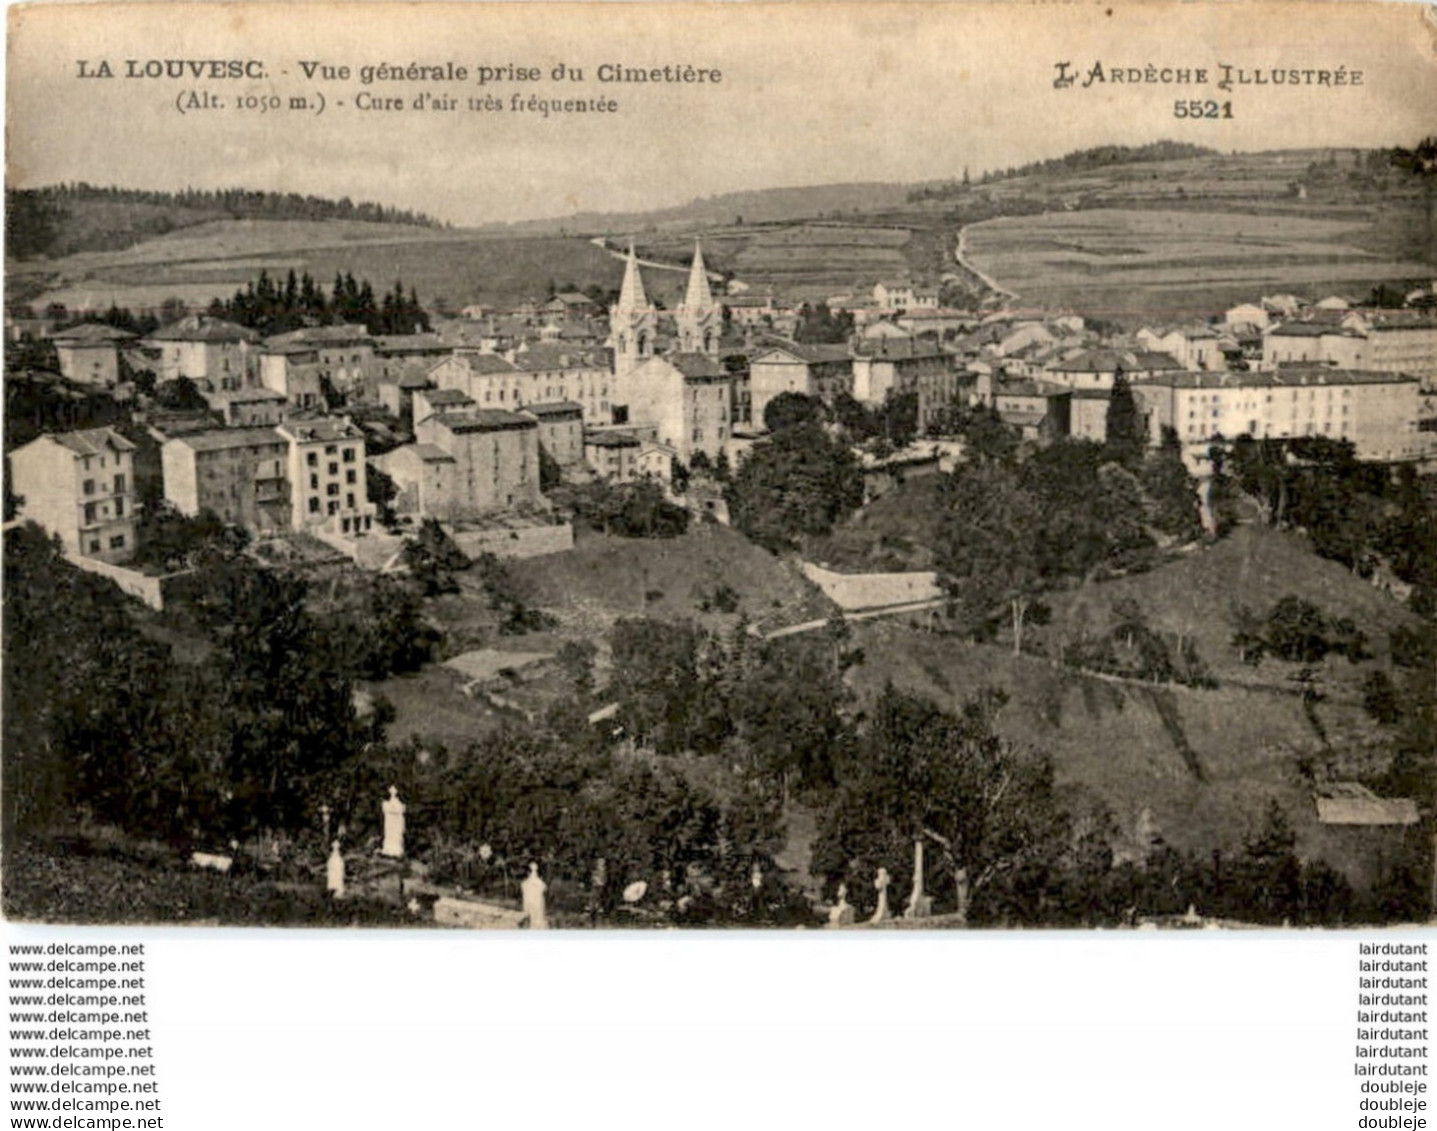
pixel 700 319
pixel 699 297
pixel 633 321
pixel 632 299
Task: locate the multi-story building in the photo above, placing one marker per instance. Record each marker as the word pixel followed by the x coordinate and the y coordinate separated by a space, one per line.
pixel 326 473
pixel 1403 341
pixel 1325 342
pixel 241 474
pixel 81 487
pixel 892 368
pixel 613 454
pixel 561 431
pixel 214 354
pixel 554 372
pixel 899 294
pixel 90 353
pixel 496 459
pixel 818 371
pixel 1376 411
pixel 686 400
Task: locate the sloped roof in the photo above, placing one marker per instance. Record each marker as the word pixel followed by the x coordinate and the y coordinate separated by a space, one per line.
pixel 696 366
pixel 221 439
pixel 555 408
pixel 92 441
pixel 203 328
pixel 91 334
pixel 484 420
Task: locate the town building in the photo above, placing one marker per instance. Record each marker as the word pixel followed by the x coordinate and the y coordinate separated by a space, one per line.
pixel 900 294
pixel 247 408
pixel 1313 342
pixel 1376 411
pixel 89 354
pixel 685 398
pixel 1040 410
pixel 496 459
pixel 241 474
pixel 887 368
pixel 561 431
pixel 326 472
pixel 821 371
pixel 81 487
pixel 699 317
pixel 613 454
pixel 214 354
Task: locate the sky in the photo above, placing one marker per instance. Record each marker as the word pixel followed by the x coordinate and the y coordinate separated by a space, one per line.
pixel 809 94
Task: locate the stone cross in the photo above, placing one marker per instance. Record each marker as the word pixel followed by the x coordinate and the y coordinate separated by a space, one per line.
pixel 963 895
pixel 880 882
pixel 919 904
pixel 393 810
pixel 841 913
pixel 531 890
pixel 334 872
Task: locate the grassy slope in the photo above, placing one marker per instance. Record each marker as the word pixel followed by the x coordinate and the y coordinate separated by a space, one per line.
pixel 587 589
pixel 1138 747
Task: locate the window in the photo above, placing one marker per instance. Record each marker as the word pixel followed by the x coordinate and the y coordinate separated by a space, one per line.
pixel 349 476
pixel 89 486
pixel 312 459
pixel 349 501
pixel 94 545
pixel 119 508
pixel 117 542
pixel 314 482
pixel 332 489
pixel 334 507
pixel 331 449
pixel 313 505
pixel 348 455
pixel 334 469
pixel 89 514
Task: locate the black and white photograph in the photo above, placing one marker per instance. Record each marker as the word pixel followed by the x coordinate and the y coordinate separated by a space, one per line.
pixel 881 492
pixel 572 492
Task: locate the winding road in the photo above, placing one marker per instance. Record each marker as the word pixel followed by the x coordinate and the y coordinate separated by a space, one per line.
pixel 960 254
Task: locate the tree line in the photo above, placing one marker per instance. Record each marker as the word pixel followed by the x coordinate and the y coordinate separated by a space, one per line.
pixel 36 219
pixel 274 308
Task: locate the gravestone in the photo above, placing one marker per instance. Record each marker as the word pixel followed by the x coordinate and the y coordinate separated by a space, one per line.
pixel 393 810
pixel 841 913
pixel 919 906
pixel 880 882
pixel 334 873
pixel 531 892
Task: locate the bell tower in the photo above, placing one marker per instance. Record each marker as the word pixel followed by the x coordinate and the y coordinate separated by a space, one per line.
pixel 699 317
pixel 633 321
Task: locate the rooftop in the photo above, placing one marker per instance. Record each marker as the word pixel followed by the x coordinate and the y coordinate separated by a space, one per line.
pixel 203 328
pixel 484 420
pixel 92 441
pixel 91 334
pixel 221 439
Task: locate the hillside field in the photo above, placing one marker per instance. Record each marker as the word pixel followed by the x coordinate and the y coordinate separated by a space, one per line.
pixel 1171 265
pixel 450 269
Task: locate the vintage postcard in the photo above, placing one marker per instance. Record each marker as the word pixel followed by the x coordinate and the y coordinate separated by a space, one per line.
pixel 816 465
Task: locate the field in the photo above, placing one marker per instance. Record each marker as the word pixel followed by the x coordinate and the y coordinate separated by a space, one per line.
pixel 1170 265
pixel 449 269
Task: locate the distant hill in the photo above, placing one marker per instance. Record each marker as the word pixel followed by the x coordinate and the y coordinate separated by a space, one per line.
pixel 60 220
pixel 760 206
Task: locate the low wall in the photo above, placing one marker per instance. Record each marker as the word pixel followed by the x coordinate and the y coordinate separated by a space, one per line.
pixel 516 542
pixel 142 586
pixel 375 551
pixel 471 913
pixel 854 591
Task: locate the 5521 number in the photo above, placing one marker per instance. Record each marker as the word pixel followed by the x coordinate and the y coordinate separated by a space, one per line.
pixel 1199 109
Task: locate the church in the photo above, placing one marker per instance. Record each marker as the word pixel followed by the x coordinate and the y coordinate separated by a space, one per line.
pixel 685 396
